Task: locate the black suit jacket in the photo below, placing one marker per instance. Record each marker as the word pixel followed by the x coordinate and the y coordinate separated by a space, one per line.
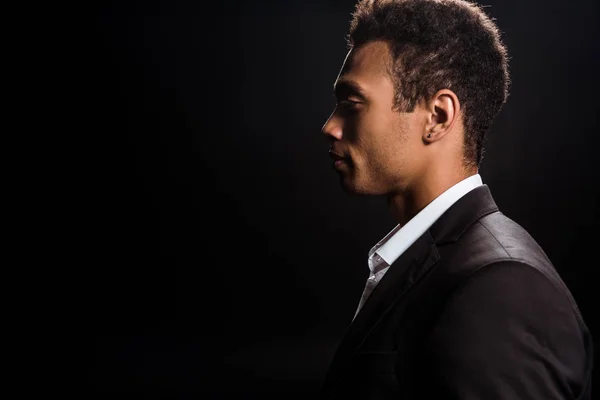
pixel 473 309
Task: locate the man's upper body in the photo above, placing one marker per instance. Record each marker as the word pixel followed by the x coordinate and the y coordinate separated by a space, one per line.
pixel 473 308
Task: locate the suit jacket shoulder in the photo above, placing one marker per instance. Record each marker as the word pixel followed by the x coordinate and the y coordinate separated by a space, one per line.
pixel 495 238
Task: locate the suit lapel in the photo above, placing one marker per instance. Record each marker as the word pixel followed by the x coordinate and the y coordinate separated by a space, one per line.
pixel 398 280
pixel 403 274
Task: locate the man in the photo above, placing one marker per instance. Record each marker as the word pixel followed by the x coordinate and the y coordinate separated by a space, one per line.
pixel 461 302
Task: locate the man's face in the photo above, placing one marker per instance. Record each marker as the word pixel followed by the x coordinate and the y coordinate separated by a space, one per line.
pixel 380 148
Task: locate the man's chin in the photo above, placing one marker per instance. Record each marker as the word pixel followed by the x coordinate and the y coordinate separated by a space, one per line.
pixel 352 188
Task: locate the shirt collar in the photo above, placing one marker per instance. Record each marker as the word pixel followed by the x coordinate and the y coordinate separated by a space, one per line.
pixel 402 237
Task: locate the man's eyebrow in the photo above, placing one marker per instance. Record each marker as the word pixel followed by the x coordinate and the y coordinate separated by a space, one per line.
pixel 344 87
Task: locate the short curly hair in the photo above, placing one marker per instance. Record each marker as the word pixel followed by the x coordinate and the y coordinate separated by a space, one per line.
pixel 440 44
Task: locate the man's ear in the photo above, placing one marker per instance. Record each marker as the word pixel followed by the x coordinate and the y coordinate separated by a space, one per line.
pixel 443 110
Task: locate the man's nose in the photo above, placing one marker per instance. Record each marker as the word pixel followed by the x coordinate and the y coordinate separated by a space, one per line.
pixel 333 127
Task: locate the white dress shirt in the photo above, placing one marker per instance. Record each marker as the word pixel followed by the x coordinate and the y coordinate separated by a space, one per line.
pixel 388 249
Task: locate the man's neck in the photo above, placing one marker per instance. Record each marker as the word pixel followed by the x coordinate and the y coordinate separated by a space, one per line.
pixel 403 206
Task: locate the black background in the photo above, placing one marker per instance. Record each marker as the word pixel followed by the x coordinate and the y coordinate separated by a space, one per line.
pixel 222 258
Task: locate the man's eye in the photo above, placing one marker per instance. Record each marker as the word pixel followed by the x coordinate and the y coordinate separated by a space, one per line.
pixel 347 103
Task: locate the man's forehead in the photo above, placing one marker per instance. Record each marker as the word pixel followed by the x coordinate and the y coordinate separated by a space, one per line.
pixel 365 63
pixel 370 60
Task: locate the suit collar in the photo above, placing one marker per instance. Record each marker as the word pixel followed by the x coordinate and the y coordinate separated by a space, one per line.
pixel 461 215
pixel 400 239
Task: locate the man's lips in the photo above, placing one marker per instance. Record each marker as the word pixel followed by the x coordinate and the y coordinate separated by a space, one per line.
pixel 335 156
pixel 338 160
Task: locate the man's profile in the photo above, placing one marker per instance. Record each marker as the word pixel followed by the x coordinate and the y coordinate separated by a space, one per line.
pixel 461 302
